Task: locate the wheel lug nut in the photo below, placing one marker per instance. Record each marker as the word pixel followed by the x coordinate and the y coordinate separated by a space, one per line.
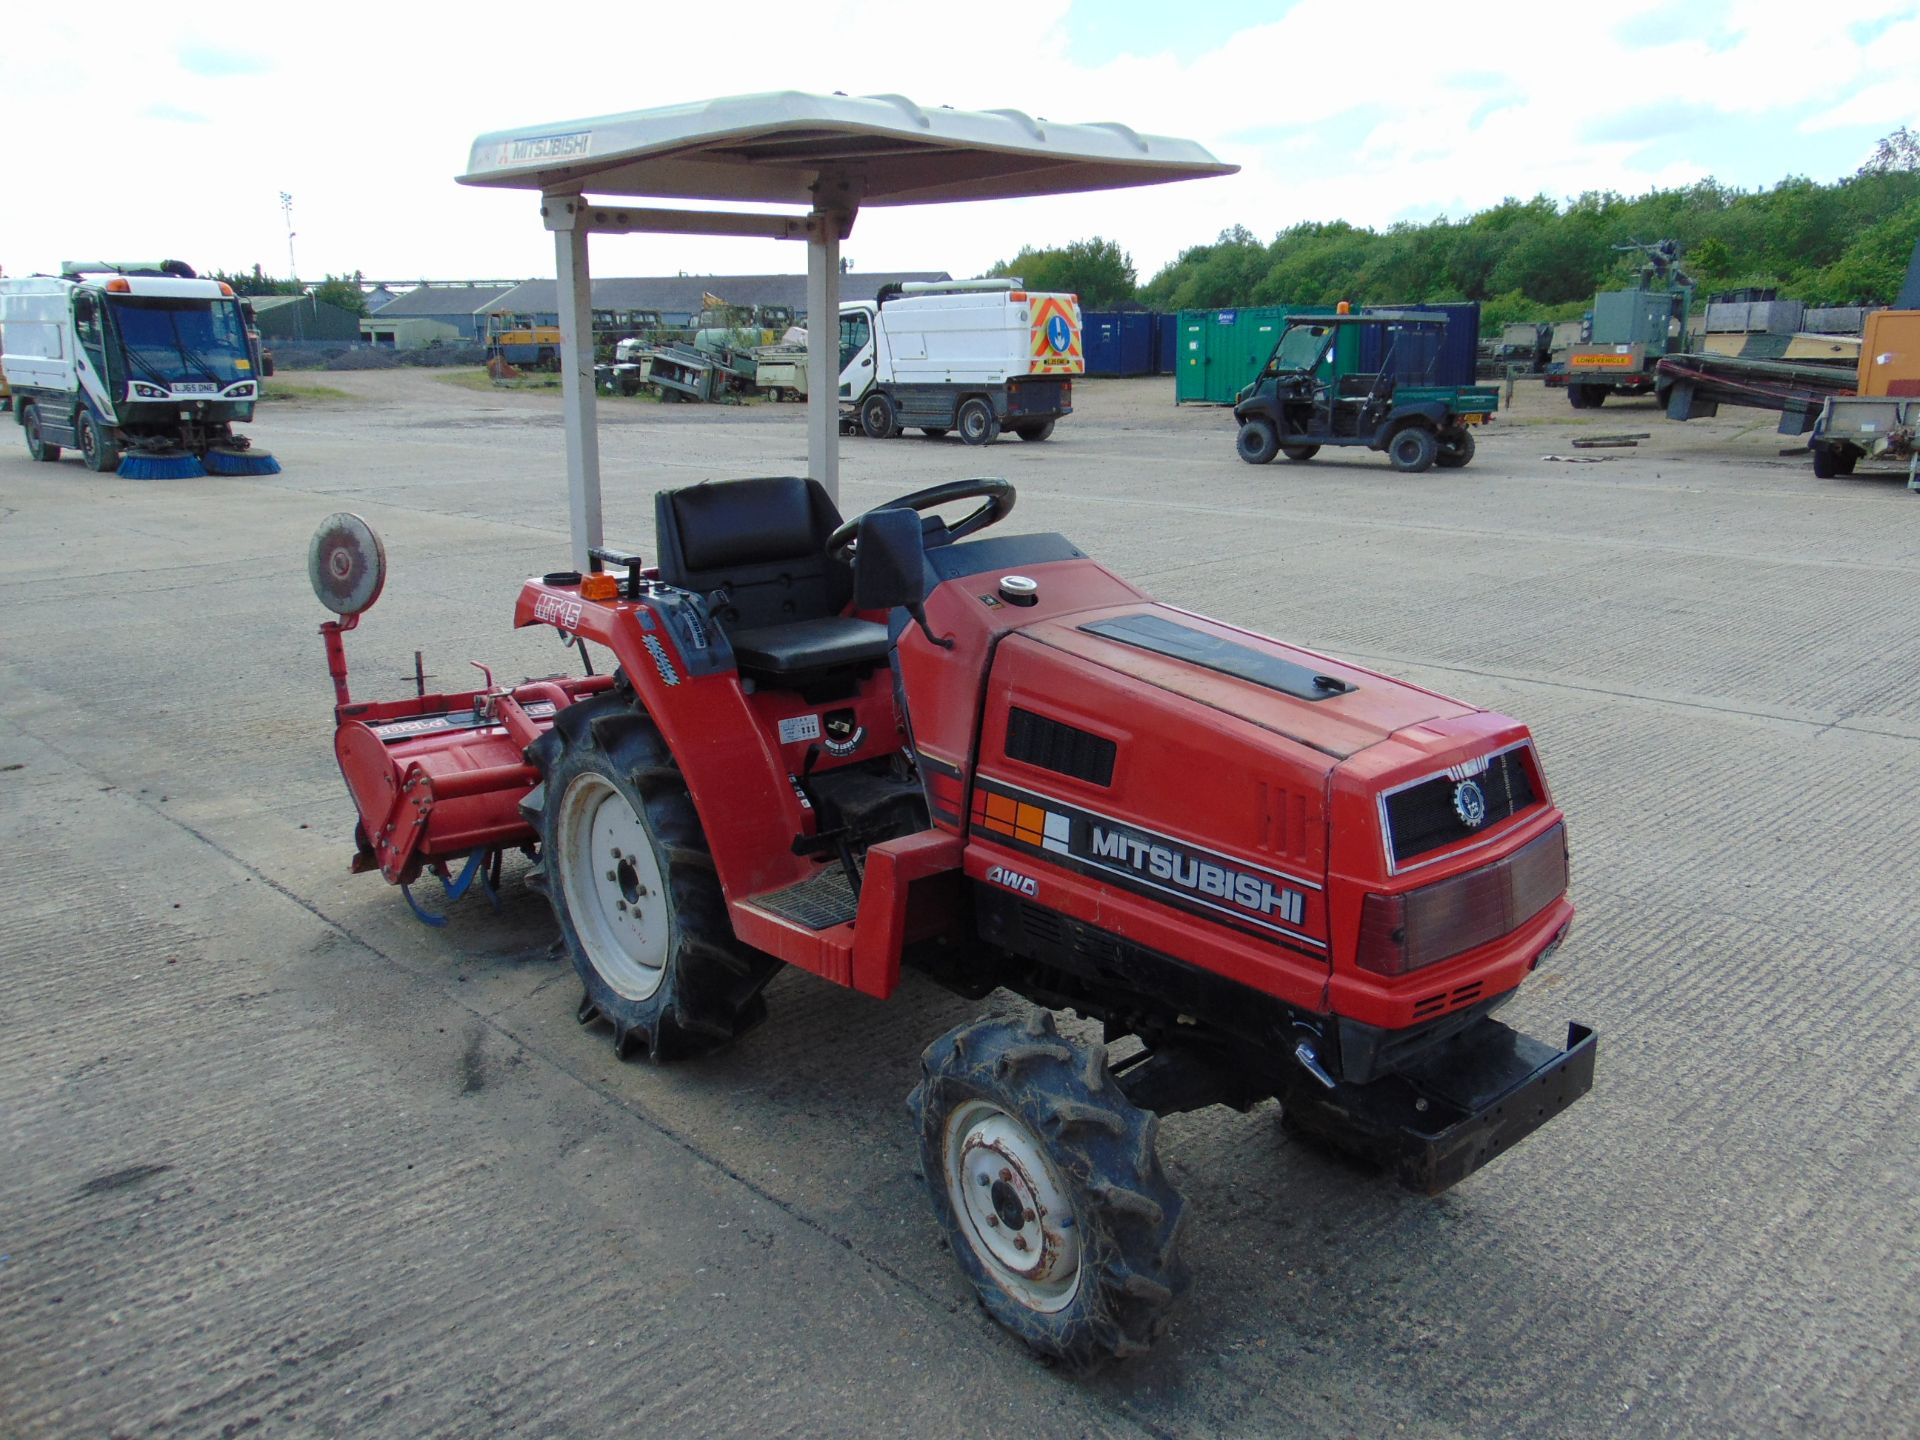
pixel 619 904
pixel 1019 1242
pixel 612 875
pixel 616 852
pixel 985 1180
pixel 1027 1215
pixel 1006 1174
pixel 993 1221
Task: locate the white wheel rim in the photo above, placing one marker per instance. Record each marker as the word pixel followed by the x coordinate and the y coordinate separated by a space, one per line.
pixel 1011 1207
pixel 610 877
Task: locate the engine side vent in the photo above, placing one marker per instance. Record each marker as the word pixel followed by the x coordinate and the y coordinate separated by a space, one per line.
pixel 1036 740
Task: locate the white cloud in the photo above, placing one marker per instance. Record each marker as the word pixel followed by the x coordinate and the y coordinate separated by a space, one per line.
pixel 365 112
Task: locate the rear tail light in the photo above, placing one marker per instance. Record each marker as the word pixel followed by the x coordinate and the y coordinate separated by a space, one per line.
pixel 1402 933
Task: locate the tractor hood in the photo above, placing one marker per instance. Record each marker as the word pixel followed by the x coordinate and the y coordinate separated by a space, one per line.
pixel 1327 705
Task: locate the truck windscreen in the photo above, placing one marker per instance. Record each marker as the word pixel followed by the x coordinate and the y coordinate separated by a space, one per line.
pixel 184 340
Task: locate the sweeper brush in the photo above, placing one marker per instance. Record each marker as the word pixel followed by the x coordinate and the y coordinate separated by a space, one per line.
pixel 161 465
pixel 222 461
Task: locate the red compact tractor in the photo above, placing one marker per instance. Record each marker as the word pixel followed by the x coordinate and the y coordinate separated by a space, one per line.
pixel 856 747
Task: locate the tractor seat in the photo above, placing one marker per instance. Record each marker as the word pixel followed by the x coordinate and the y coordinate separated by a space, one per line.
pixel 757 550
pixel 805 647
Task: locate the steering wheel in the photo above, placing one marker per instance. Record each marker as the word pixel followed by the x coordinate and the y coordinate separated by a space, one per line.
pixel 998 496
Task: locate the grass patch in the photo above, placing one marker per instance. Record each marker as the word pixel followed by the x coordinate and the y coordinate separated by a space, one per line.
pixel 281 389
pixel 480 380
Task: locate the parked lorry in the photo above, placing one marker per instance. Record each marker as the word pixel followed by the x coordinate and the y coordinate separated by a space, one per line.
pixel 976 356
pixel 1627 332
pixel 142 368
pixel 1305 398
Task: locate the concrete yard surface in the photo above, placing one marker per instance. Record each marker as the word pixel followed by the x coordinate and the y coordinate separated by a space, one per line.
pixel 280 1160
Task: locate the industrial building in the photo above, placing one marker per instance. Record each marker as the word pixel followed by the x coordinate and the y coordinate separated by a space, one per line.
pixel 301 317
pixel 464 307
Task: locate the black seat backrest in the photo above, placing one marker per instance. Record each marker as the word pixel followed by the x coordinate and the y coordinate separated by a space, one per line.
pixel 1354 387
pixel 762 542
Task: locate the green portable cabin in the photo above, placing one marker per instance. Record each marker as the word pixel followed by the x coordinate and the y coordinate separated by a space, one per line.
pixel 1223 351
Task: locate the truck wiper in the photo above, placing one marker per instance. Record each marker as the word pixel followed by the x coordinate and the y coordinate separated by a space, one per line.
pixel 152 371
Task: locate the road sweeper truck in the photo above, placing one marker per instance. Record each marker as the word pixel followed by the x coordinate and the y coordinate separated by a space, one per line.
pixel 977 356
pixel 142 368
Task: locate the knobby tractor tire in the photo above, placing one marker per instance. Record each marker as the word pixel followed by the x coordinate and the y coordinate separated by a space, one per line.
pixel 1456 449
pixel 1258 442
pixel 37 447
pixel 1012 1114
pixel 627 868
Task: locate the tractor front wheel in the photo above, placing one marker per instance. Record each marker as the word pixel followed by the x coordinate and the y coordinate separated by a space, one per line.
pixel 1456 448
pixel 1412 449
pixel 1045 1179
pixel 37 445
pixel 627 869
pixel 98 453
pixel 1258 442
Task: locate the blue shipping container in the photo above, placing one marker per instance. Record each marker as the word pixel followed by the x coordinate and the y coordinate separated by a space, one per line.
pixel 1421 356
pixel 1117 342
pixel 1166 343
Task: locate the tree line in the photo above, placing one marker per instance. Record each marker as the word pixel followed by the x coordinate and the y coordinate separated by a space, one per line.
pixel 1842 243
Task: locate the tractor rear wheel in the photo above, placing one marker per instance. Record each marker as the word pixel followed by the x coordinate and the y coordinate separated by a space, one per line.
pixel 1456 448
pixel 977 423
pixel 1412 449
pixel 1045 1179
pixel 627 869
pixel 878 419
pixel 37 446
pixel 1258 442
pixel 98 453
pixel 1299 454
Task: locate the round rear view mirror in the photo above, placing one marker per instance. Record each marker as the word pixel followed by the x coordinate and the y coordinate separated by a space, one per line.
pixel 347 564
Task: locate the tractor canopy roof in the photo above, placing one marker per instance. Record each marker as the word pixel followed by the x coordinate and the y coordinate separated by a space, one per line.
pixel 778 147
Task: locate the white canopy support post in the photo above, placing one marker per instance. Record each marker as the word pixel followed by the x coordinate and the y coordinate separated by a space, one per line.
pixel 823 353
pixel 566 217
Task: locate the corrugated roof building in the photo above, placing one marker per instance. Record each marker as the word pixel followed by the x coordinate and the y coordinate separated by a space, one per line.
pixel 678 298
pixel 464 307
pixel 301 317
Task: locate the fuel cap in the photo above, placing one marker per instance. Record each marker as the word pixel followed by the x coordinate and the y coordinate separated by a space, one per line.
pixel 1019 590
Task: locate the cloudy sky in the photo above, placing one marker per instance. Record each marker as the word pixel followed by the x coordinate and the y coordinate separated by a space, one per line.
pixel 141 132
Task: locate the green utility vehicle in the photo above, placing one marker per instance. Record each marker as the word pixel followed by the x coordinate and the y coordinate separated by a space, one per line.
pixel 1302 401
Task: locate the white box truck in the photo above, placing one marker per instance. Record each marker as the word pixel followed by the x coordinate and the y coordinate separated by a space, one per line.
pixel 141 368
pixel 976 356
